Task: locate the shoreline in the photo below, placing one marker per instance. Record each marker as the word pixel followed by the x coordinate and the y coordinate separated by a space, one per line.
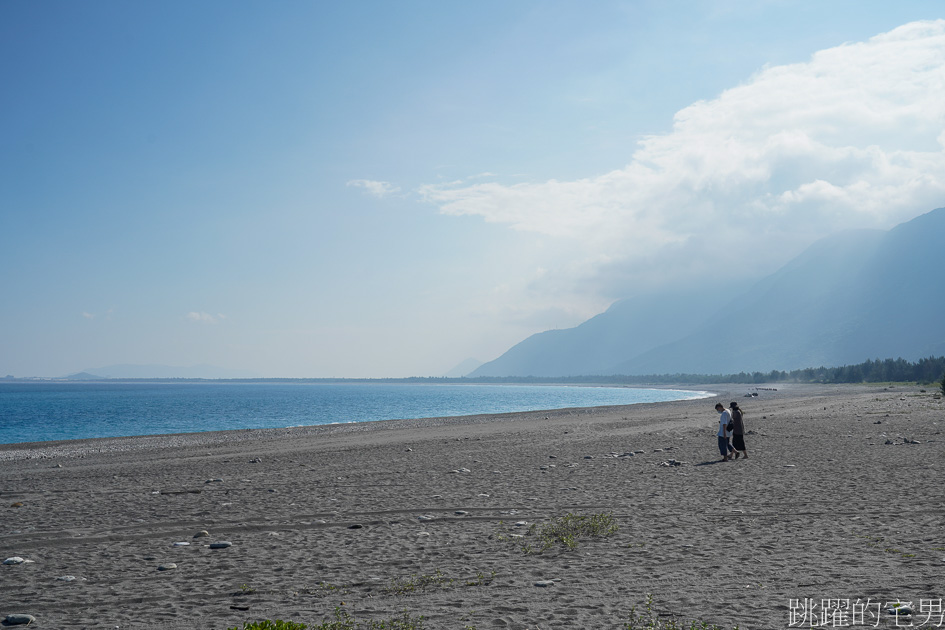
pixel 339 513
pixel 333 408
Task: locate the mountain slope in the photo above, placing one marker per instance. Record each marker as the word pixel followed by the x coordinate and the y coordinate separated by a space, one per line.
pixel 628 328
pixel 850 297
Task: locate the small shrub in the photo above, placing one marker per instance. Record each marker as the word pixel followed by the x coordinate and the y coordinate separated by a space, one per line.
pixel 650 621
pixel 420 583
pixel 568 529
pixel 278 624
pixel 342 621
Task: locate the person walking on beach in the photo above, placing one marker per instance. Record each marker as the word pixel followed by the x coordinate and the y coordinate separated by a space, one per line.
pixel 725 431
pixel 738 431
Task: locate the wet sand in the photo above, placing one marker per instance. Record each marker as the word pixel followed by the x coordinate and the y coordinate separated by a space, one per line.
pixel 433 517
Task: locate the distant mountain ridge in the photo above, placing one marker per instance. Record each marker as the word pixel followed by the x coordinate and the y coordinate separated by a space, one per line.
pixel 160 371
pixel 854 296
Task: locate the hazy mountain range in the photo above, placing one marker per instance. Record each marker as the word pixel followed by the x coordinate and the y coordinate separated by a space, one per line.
pixel 850 297
pixel 160 371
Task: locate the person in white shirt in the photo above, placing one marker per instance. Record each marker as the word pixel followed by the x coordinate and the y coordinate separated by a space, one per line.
pixel 725 417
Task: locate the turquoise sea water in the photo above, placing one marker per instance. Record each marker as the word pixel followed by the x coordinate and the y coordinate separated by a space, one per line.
pixel 41 411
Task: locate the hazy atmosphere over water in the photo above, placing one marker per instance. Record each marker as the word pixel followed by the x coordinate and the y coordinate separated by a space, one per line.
pixel 367 189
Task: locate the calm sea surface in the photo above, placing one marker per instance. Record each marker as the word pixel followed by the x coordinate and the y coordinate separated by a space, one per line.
pixel 35 412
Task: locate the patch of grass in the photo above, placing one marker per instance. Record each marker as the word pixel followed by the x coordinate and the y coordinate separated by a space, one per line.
pixel 568 529
pixel 648 620
pixel 278 624
pixel 342 621
pixel 875 542
pixel 421 583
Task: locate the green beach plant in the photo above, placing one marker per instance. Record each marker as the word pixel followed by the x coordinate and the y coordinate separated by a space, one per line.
pixel 420 583
pixel 278 624
pixel 568 529
pixel 342 621
pixel 649 620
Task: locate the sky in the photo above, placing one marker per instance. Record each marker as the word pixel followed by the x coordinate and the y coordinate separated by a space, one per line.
pixel 385 189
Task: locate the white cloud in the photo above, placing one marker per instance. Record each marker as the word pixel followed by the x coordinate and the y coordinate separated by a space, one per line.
pixel 375 188
pixel 854 137
pixel 204 318
pixel 107 315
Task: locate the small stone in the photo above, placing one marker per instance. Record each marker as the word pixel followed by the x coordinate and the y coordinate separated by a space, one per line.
pixel 19 619
pixel 356 526
pixel 167 567
pixel 181 544
pixel 14 560
pixel 66 578
pixel 460 512
pixel 425 517
pixel 214 481
pixel 222 544
pixel 17 504
pixel 545 583
pixel 202 534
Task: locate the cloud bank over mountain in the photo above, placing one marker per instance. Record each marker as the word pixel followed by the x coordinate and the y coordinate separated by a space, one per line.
pixel 852 138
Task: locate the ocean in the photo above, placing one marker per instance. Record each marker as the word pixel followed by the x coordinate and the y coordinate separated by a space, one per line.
pixel 43 411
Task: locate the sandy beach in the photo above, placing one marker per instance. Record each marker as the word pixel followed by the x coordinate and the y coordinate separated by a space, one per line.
pixel 841 499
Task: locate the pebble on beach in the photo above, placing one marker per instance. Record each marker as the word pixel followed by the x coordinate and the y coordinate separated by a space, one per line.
pixel 16 560
pixel 19 619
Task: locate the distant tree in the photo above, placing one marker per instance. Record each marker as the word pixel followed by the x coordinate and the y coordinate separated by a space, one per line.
pixel 943 385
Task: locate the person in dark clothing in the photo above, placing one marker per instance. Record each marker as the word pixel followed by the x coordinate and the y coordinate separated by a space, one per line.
pixel 738 431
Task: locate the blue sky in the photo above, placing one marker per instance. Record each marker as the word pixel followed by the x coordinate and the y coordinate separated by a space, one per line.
pixel 308 189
